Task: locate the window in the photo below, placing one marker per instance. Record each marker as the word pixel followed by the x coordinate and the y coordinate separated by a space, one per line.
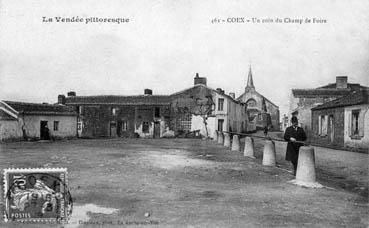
pixel 251 102
pixel 185 122
pixel 124 126
pixel 79 110
pixel 145 127
pixel 220 104
pixel 157 112
pixel 114 111
pixel 323 123
pixel 355 122
pixel 56 125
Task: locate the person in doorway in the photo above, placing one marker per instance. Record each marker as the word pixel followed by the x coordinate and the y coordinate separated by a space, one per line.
pixel 293 134
pixel 47 133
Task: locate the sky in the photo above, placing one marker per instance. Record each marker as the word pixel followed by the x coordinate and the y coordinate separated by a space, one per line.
pixel 166 42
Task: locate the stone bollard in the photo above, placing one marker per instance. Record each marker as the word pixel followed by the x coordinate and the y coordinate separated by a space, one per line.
pixel 236 143
pixel 249 148
pixel 215 136
pixel 305 173
pixel 220 138
pixel 227 140
pixel 269 153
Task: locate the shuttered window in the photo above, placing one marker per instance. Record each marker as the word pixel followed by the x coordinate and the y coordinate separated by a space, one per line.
pixel 361 123
pixel 320 125
pixel 323 125
pixel 220 104
pixel 355 122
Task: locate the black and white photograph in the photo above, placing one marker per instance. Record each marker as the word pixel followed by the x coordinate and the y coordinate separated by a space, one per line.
pixel 186 113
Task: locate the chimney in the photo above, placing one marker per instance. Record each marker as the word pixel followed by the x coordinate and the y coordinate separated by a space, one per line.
pixel 71 94
pixel 199 80
pixel 61 99
pixel 219 90
pixel 148 92
pixel 341 82
pixel 233 95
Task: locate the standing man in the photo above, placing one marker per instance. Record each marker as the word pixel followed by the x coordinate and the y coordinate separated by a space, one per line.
pixel 292 134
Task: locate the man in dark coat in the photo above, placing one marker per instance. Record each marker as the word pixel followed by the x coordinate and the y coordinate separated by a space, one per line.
pixel 292 134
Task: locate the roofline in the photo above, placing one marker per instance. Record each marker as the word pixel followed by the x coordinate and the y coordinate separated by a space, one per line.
pixel 8 106
pixel 31 103
pixel 82 103
pixel 319 107
pixel 330 84
pixel 338 105
pixel 321 89
pixel 222 94
pixel 49 113
pixel 143 95
pixel 64 113
pixel 9 113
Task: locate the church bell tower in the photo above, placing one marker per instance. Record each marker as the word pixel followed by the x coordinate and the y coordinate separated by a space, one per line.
pixel 250 82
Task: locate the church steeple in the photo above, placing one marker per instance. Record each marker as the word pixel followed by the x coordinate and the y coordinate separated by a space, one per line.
pixel 250 81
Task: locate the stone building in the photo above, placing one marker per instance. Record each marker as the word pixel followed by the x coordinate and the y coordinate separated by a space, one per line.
pixel 120 116
pixel 343 122
pixel 260 109
pixel 303 100
pixel 28 121
pixel 208 110
pixel 198 108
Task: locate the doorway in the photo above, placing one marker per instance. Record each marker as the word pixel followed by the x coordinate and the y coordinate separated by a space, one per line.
pixel 113 129
pixel 119 128
pixel 156 129
pixel 44 131
pixel 220 124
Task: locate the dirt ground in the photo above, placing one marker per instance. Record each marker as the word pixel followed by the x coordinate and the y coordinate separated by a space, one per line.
pixel 195 183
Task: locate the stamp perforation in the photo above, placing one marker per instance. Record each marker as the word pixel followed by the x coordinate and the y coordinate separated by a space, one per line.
pixel 7 185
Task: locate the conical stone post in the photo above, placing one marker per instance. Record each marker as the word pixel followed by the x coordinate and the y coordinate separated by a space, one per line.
pixel 215 136
pixel 227 140
pixel 220 138
pixel 305 173
pixel 269 156
pixel 235 143
pixel 249 148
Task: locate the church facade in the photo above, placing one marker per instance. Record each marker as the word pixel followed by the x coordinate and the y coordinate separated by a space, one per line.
pixel 260 110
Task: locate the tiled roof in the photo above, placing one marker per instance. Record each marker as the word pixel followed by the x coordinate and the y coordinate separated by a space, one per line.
pixel 6 116
pixel 41 109
pixel 206 87
pixel 354 98
pixel 322 92
pixel 120 100
pixel 353 86
pixel 328 90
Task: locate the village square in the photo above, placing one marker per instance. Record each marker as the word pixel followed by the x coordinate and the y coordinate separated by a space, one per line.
pixel 199 157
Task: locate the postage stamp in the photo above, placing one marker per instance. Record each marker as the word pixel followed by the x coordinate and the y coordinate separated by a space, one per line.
pixel 37 195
